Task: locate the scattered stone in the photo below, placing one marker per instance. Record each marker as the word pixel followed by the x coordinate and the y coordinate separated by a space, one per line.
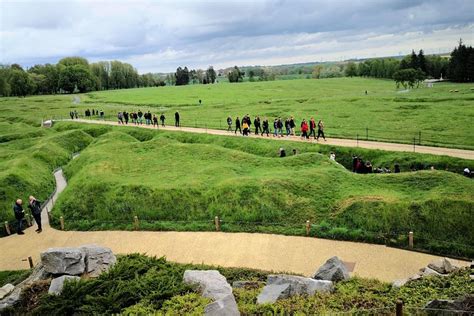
pixel 6 289
pixel 213 285
pixel 399 283
pixel 98 259
pixel 301 285
pixel 246 284
pixel 333 270
pixel 273 292
pixel 442 265
pixel 226 306
pixel 465 303
pixel 63 261
pixel 428 271
pixel 57 284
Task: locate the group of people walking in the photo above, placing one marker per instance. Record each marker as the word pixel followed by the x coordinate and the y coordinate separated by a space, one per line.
pixel 150 119
pixel 35 207
pixel 307 128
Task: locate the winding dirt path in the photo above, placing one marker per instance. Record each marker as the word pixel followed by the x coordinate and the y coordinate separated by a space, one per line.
pixel 453 152
pixel 291 254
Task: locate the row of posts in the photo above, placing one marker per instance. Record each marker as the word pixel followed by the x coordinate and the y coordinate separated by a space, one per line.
pixel 217 224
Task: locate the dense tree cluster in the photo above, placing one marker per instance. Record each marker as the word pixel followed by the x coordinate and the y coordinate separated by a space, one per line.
pixel 235 75
pixel 72 74
pixel 461 64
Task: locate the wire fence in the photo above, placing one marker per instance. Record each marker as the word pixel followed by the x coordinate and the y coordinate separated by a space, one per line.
pixel 405 136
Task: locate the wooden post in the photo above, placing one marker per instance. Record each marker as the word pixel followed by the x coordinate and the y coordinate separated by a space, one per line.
pixel 357 140
pixel 217 223
pixel 399 308
pixel 30 261
pixel 7 228
pixel 410 239
pixel 49 215
pixel 136 223
pixel 308 227
pixel 366 133
pixel 414 143
pixel 61 221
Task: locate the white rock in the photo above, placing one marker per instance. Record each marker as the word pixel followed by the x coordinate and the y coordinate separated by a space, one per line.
pixel 57 284
pixel 6 289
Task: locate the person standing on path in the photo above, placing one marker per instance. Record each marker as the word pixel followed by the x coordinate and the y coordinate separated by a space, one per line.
pixel 229 124
pixel 321 130
pixel 120 117
pixel 265 127
pixel 237 125
pixel 275 128
pixel 35 206
pixel 19 215
pixel 312 128
pixel 245 127
pixel 155 121
pixel 176 119
pixel 125 116
pixel 287 127
pixel 140 117
pixel 162 119
pixel 292 126
pixel 304 129
pixel 280 126
pixel 258 127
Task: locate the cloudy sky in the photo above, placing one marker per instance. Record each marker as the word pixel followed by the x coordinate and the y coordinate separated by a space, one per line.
pixel 160 35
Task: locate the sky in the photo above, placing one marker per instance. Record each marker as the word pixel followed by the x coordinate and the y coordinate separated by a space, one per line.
pixel 160 35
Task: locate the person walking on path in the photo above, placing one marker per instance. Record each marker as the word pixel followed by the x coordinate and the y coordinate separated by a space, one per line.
pixel 312 128
pixel 275 128
pixel 304 129
pixel 237 125
pixel 35 206
pixel 292 125
pixel 176 119
pixel 120 117
pixel 287 127
pixel 162 119
pixel 249 122
pixel 229 124
pixel 155 121
pixel 280 126
pixel 321 130
pixel 125 116
pixel 140 117
pixel 258 127
pixel 265 127
pixel 71 114
pixel 76 115
pixel 19 215
pixel 245 127
pixel 135 118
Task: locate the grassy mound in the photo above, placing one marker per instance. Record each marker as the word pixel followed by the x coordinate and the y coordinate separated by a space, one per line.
pixel 139 285
pixel 176 181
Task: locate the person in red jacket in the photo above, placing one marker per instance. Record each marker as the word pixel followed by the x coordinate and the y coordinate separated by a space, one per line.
pixel 304 129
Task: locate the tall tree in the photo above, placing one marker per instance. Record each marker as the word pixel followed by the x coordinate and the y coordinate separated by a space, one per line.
pixel 211 75
pixel 182 76
pixel 421 61
pixel 20 83
pixel 351 69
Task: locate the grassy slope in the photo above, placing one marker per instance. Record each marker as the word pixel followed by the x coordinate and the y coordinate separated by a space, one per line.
pixel 139 285
pixel 243 182
pixel 443 117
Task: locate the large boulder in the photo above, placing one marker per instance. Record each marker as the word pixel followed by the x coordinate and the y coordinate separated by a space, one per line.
pixel 6 289
pixel 333 270
pixel 300 285
pixel 273 292
pixel 442 266
pixel 57 284
pixel 98 259
pixel 213 285
pixel 64 261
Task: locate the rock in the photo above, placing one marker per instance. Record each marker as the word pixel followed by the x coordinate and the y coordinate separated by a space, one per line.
pixel 63 261
pixel 246 284
pixel 6 289
pixel 465 303
pixel 57 284
pixel 273 292
pixel 11 299
pixel 98 259
pixel 47 123
pixel 333 270
pixel 226 306
pixel 300 285
pixel 427 271
pixel 213 285
pixel 442 265
pixel 399 283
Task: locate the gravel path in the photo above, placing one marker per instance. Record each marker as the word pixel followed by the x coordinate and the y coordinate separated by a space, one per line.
pixel 291 254
pixel 459 153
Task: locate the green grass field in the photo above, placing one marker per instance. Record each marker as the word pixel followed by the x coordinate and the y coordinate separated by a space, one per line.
pixel 442 117
pixel 180 181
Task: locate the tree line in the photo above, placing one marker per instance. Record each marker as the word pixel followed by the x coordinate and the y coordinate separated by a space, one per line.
pixel 72 74
pixel 414 68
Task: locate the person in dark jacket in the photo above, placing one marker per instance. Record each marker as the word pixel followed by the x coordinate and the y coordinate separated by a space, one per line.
pixel 237 125
pixel 155 120
pixel 35 207
pixel 19 216
pixel 229 124
pixel 321 130
pixel 256 122
pixel 162 119
pixel 282 153
pixel 265 127
pixel 140 115
pixel 312 128
pixel 292 125
pixel 126 116
pixel 176 119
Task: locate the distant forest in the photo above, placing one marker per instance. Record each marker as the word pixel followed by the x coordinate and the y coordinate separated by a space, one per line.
pixel 76 74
